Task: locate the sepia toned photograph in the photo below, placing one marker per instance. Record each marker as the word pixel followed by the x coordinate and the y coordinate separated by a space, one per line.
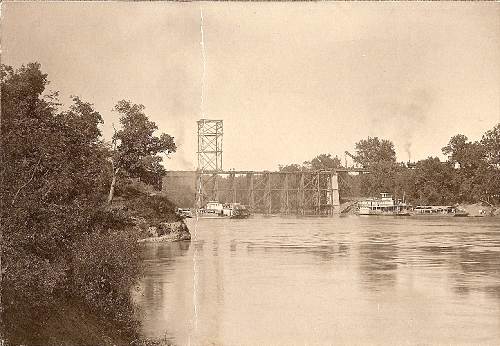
pixel 249 173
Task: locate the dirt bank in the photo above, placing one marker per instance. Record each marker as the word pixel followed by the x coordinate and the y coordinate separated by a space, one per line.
pixel 166 232
pixel 152 216
pixel 479 210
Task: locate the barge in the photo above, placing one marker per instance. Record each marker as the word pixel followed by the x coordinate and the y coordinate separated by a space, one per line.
pixel 439 210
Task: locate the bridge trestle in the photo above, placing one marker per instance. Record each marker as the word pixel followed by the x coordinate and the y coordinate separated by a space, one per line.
pixel 302 193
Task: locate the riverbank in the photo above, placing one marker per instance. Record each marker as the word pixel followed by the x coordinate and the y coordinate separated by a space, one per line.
pixel 473 209
pixel 91 304
pixel 71 323
pixel 480 210
pixel 152 216
pixel 166 232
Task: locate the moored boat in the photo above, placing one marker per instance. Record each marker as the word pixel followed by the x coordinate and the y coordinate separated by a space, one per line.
pixel 240 212
pixel 438 210
pixel 383 205
pixel 214 209
pixel 184 213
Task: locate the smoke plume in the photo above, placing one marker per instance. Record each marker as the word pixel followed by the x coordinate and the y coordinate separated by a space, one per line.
pixel 401 119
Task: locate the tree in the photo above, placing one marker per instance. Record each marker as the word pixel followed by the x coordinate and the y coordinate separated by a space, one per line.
pixel 323 162
pixel 491 181
pixel 474 177
pixel 380 179
pixel 290 168
pixel 50 167
pixel 433 182
pixel 491 143
pixel 491 187
pixel 380 157
pixel 135 147
pixel 20 96
pixel 373 150
pixel 455 149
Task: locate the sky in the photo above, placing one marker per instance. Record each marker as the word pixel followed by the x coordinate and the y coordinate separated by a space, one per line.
pixel 289 80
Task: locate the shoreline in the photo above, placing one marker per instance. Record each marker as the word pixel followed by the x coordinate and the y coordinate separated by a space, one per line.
pixel 165 232
pixel 163 239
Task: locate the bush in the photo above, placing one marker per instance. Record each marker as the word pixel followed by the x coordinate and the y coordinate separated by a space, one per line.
pixel 94 270
pixel 104 268
pixel 154 208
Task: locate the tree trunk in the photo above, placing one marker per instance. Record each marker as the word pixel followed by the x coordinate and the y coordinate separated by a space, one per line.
pixel 112 187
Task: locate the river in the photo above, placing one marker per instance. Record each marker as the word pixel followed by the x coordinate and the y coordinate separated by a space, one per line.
pixel 316 281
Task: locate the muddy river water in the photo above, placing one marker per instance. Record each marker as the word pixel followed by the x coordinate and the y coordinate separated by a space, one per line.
pixel 317 281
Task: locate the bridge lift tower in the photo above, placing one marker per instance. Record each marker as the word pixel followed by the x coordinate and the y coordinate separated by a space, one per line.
pixel 209 145
pixel 209 160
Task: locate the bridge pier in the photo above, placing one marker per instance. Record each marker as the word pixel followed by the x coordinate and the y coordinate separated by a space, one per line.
pixel 251 193
pixel 301 193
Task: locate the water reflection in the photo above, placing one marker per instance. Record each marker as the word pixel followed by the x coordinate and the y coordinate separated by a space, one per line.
pixel 232 246
pixel 156 287
pixel 327 280
pixel 378 260
pixel 198 245
pixel 158 251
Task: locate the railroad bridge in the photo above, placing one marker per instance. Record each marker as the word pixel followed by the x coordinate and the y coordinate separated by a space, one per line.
pixel 297 192
pixel 288 192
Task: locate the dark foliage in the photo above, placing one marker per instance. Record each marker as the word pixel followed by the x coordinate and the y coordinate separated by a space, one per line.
pixel 471 174
pixel 136 149
pixel 323 162
pixel 153 208
pixel 373 151
pixel 59 244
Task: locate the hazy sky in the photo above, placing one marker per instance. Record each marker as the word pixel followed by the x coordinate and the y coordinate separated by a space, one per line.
pixel 289 80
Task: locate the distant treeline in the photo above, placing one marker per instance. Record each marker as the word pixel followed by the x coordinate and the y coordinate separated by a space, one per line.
pixel 470 175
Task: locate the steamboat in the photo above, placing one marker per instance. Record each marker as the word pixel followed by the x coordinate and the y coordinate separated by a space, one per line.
pixel 383 205
pixel 215 209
